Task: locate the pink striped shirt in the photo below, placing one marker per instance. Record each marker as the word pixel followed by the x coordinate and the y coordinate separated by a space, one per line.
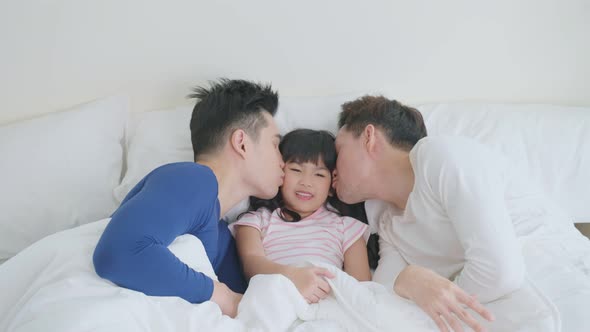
pixel 323 236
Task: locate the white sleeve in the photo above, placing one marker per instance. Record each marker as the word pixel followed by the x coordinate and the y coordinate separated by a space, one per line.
pixel 471 189
pixel 391 262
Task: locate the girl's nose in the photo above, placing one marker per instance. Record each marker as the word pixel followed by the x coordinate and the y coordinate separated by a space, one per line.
pixel 305 182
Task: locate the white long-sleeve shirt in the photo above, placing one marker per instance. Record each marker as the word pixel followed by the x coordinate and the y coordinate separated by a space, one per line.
pixel 457 220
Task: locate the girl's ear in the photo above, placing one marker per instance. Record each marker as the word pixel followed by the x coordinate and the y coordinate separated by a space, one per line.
pixel 238 142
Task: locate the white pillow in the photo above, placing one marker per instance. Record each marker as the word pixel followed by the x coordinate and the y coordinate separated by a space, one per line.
pixel 159 138
pixel 59 170
pixel 549 143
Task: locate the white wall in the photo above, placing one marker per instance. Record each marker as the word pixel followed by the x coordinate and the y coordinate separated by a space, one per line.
pixel 57 53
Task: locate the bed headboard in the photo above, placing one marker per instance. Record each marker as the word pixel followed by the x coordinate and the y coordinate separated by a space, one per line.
pixel 59 53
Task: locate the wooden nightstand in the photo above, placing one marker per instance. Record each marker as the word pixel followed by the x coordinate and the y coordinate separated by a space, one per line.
pixel 584 228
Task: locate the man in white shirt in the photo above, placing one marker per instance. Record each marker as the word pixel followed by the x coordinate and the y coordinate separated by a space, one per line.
pixel 454 222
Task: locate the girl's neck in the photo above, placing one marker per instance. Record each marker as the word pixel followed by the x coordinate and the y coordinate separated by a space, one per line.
pixel 302 215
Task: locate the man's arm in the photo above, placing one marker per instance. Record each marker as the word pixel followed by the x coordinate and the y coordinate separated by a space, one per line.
pixel 472 193
pixel 466 180
pixel 133 250
pixel 442 300
pixel 391 262
pixel 151 269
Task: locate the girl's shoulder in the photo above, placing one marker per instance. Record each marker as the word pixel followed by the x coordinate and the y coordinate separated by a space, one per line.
pixel 261 213
pixel 259 219
pixel 349 222
pixel 266 213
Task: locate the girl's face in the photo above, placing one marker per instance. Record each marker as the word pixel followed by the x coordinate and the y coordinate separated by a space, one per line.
pixel 306 187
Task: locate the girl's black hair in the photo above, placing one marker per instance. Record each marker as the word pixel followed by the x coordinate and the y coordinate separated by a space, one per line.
pixel 307 145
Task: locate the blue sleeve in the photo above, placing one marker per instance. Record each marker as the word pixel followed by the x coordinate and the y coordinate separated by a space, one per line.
pixel 173 200
pixel 228 266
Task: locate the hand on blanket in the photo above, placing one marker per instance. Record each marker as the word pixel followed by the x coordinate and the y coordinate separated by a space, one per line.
pixel 310 282
pixel 227 299
pixel 441 299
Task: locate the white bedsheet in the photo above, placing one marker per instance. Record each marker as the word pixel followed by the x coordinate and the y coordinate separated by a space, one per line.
pixel 51 286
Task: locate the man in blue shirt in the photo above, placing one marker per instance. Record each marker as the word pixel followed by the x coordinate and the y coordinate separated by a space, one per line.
pixel 235 143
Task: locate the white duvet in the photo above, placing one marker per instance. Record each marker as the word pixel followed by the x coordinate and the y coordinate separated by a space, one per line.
pixel 52 286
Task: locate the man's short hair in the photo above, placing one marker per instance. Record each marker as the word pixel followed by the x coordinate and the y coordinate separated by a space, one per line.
pixel 402 125
pixel 227 105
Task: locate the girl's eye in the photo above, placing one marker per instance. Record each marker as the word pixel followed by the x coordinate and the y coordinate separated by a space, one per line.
pixel 295 170
pixel 321 175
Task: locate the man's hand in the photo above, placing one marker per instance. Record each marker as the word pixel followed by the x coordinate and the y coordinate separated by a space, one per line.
pixel 310 282
pixel 441 299
pixel 227 299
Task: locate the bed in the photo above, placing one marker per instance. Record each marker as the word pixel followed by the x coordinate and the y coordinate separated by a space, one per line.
pixel 82 161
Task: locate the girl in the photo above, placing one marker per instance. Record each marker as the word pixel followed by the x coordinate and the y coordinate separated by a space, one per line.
pixel 299 224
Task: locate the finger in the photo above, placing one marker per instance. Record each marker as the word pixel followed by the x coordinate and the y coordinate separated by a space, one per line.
pixel 453 322
pixel 442 326
pixel 325 288
pixel 474 305
pixel 324 294
pixel 320 293
pixel 324 285
pixel 314 298
pixel 323 272
pixel 463 315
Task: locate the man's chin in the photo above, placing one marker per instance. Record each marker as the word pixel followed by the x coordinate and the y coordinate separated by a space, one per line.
pixel 347 199
pixel 269 195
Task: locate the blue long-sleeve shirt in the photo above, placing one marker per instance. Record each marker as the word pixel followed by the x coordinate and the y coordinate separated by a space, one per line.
pixel 172 200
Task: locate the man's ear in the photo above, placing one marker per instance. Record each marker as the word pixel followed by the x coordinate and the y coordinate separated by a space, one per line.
pixel 370 138
pixel 238 142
